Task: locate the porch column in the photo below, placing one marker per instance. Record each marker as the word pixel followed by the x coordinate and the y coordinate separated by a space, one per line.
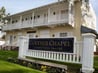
pixel 33 19
pixel 20 22
pixel 88 53
pixel 23 46
pixel 48 15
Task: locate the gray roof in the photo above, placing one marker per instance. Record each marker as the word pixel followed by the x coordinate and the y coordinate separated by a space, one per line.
pixel 89 30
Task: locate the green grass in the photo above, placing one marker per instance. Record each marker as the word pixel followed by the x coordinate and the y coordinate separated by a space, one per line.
pixel 96 64
pixel 6 67
pixel 4 55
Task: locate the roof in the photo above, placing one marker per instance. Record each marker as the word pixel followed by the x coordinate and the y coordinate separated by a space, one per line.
pixel 89 30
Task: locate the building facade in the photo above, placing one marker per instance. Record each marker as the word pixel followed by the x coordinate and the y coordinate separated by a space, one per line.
pixel 66 18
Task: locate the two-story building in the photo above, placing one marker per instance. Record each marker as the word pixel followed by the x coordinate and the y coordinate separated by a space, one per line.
pixel 66 18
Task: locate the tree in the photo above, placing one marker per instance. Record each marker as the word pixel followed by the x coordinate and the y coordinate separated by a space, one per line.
pixel 2 19
pixel 3 15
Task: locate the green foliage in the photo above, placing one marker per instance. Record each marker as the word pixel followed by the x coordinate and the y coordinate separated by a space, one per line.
pixel 3 15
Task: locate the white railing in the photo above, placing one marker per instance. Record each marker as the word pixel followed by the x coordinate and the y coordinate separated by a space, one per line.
pixel 26 24
pixel 38 22
pixel 58 56
pixel 12 26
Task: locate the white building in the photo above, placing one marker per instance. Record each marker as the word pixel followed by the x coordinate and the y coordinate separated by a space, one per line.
pixel 63 19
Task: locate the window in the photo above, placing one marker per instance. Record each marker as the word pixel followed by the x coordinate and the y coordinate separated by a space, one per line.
pixel 63 14
pixel 54 13
pixel 12 22
pixel 16 21
pixel 31 18
pixel 63 11
pixel 63 34
pixel 34 17
pixel 38 16
pixel 86 0
pixel 11 39
pixel 26 19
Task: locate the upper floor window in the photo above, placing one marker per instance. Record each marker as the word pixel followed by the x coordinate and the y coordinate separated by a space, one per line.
pixel 16 21
pixel 63 14
pixel 34 17
pixel 54 13
pixel 31 18
pixel 12 22
pixel 38 16
pixel 26 18
pixel 63 11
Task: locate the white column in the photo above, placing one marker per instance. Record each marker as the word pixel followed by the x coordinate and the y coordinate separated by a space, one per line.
pixel 11 21
pixel 48 15
pixel 32 18
pixel 23 46
pixel 20 21
pixel 87 53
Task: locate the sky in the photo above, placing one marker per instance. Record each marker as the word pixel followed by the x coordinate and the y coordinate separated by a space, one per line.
pixel 14 6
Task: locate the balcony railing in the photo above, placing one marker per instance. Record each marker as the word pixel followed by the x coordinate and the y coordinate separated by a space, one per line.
pixel 45 21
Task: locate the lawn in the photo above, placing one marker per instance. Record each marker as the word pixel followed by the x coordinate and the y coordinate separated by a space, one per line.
pixel 4 55
pixel 6 67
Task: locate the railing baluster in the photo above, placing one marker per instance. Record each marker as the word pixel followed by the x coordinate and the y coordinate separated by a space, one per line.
pixel 66 57
pixel 74 57
pixel 63 57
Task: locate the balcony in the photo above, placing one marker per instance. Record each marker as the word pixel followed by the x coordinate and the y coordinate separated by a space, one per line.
pixel 47 21
pixel 51 15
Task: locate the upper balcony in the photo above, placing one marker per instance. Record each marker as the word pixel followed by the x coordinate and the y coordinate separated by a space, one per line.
pixel 54 14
